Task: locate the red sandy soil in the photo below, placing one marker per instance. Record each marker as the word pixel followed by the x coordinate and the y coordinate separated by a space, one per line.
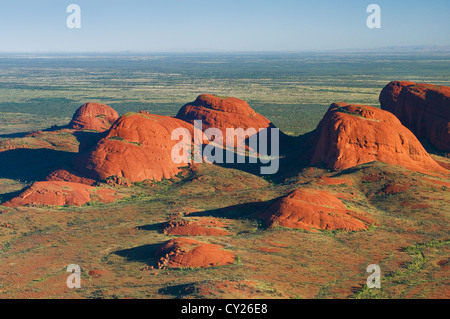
pixel 373 177
pixel 96 273
pixel 184 252
pixel 60 194
pixel 231 289
pixel 351 135
pixel 93 116
pixel 137 147
pixel 423 108
pixel 268 249
pixel 310 209
pixel 436 181
pixel 416 206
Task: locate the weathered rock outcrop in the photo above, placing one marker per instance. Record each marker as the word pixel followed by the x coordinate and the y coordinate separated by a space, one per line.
pixel 57 193
pixel 137 147
pixel 63 175
pixel 349 135
pixel 93 116
pixel 222 113
pixel 184 252
pixel 311 209
pixel 423 108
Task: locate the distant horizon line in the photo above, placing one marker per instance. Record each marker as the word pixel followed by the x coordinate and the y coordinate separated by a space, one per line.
pixel 384 49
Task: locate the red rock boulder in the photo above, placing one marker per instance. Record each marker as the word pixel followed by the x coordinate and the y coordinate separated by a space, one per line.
pixel 137 147
pixel 350 135
pixel 310 209
pixel 423 108
pixel 222 113
pixel 184 252
pixel 63 175
pixel 93 116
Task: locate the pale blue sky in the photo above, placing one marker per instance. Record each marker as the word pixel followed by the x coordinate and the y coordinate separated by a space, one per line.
pixel 226 25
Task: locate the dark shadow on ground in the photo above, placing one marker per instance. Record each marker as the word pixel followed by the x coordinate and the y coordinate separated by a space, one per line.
pixel 8 196
pixel 144 253
pixel 179 291
pixel 295 154
pixel 14 135
pixel 23 134
pixel 33 164
pixel 155 227
pixel 250 210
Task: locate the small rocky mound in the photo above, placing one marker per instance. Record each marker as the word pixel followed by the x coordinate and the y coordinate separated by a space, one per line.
pixel 350 135
pixel 423 108
pixel 198 227
pixel 222 113
pixel 310 209
pixel 93 116
pixel 56 193
pixel 62 175
pixel 137 147
pixel 184 252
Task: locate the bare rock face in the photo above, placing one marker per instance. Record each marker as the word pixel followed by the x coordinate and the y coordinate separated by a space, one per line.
pixel 423 108
pixel 350 135
pixel 137 147
pixel 93 116
pixel 185 252
pixel 58 193
pixel 62 175
pixel 311 209
pixel 222 113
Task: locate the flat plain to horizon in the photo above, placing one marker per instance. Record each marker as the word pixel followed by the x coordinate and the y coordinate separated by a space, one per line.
pixel 293 90
pixel 115 243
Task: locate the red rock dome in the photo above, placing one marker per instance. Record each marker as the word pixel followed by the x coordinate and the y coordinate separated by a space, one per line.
pixel 137 147
pixel 350 135
pixel 184 252
pixel 423 108
pixel 310 209
pixel 93 116
pixel 222 113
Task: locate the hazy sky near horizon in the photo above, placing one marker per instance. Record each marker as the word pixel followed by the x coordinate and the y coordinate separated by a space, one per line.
pixel 210 25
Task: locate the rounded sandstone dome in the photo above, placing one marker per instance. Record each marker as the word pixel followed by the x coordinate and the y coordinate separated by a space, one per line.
pixel 137 147
pixel 350 135
pixel 93 116
pixel 222 112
